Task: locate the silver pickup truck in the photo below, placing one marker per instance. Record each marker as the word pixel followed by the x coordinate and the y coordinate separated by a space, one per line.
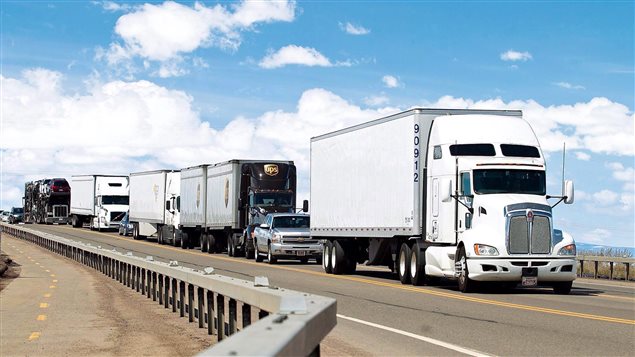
pixel 286 235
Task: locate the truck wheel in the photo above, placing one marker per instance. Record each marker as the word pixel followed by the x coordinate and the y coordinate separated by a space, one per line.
pixel 339 264
pixel 184 240
pixel 403 266
pixel 204 243
pixel 230 247
pixel 466 285
pixel 160 235
pixel 270 258
pixel 257 255
pixel 418 265
pixel 176 238
pixel 75 222
pixel 562 287
pixel 326 257
pixel 135 231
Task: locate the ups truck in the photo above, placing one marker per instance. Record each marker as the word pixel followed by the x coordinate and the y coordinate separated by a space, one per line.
pixel 221 204
pixel 440 193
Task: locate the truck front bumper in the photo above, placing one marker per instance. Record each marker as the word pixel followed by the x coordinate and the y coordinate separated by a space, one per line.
pixel 549 270
pixel 59 220
pixel 296 250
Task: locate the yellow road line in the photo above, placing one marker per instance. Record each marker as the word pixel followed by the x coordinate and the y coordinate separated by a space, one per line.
pixel 420 290
pixel 44 305
pixel 34 336
pixel 616 297
pixel 41 317
pixel 55 280
pixel 52 287
pixel 48 271
pixel 47 295
pixel 52 275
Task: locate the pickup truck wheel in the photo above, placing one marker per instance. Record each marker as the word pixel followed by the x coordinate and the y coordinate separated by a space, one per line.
pixel 270 258
pixel 418 265
pixel 258 256
pixel 466 285
pixel 326 257
pixel 403 266
pixel 563 287
pixel 339 264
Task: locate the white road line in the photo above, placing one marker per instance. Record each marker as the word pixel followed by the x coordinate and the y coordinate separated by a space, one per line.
pixel 418 337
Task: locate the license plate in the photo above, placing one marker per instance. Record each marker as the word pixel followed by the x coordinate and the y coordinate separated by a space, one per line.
pixel 301 253
pixel 529 281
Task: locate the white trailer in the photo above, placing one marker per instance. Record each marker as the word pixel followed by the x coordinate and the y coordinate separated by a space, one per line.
pixel 193 205
pixel 458 194
pixel 99 200
pixel 154 204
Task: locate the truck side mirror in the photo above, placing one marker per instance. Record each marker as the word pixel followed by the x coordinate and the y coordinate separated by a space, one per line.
pixel 446 191
pixel 264 226
pixel 568 192
pixel 305 206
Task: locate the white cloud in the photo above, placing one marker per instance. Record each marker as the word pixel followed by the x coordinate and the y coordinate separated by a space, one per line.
pixel 512 55
pixel 113 6
pixel 298 55
pixel 351 29
pixel 390 81
pixel 582 156
pixel 597 236
pixel 167 31
pixel 568 85
pixel 605 197
pixel 376 100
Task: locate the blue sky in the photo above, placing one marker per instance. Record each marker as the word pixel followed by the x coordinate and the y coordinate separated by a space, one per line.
pixel 128 86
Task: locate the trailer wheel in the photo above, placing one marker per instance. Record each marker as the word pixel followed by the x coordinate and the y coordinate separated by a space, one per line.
pixel 466 285
pixel 135 231
pixel 230 247
pixel 339 264
pixel 176 238
pixel 418 265
pixel 204 243
pixel 562 287
pixel 403 266
pixel 326 256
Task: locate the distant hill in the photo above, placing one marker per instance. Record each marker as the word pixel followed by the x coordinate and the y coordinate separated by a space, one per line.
pixel 596 248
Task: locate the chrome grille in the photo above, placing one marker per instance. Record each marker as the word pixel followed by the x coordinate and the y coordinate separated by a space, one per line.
pixel 533 237
pixel 60 211
pixel 540 235
pixel 518 232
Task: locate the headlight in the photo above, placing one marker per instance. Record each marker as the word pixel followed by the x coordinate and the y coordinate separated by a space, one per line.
pixel 276 238
pixel 568 250
pixel 482 249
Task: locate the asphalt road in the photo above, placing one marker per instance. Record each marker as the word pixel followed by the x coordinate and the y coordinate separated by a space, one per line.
pixel 379 316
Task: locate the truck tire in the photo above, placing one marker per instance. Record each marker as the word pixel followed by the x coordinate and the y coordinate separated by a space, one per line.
pixel 466 285
pixel 135 231
pixel 562 287
pixel 76 222
pixel 184 240
pixel 258 256
pixel 160 235
pixel 176 241
pixel 403 263
pixel 230 246
pixel 211 244
pixel 270 258
pixel 326 257
pixel 204 243
pixel 418 265
pixel 339 263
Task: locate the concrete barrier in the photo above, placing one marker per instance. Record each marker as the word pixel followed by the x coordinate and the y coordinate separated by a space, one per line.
pixel 247 318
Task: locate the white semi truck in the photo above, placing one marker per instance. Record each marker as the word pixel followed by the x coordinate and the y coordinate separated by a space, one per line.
pixel 155 205
pixel 457 194
pixel 99 200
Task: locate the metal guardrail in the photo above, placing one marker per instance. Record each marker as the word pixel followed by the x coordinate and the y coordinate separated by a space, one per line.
pixel 604 259
pixel 289 323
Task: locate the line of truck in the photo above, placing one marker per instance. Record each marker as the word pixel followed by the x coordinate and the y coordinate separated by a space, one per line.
pixel 429 193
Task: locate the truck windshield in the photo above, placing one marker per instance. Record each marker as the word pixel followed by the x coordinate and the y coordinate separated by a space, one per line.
pixel 114 200
pixel 17 210
pixel 529 182
pixel 271 199
pixel 291 222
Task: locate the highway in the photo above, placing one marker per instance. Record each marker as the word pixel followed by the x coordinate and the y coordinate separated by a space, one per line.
pixel 379 316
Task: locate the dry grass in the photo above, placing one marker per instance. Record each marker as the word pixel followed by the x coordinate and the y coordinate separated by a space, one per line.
pixel 604 269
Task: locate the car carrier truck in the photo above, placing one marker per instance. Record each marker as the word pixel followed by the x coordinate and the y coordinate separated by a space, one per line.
pixel 457 194
pixel 46 201
pixel 154 204
pixel 99 200
pixel 222 204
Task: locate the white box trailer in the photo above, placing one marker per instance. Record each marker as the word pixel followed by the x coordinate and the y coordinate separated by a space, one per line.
pixel 154 204
pixel 100 200
pixel 193 204
pixel 436 192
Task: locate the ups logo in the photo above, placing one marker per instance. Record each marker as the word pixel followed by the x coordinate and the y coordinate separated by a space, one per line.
pixel 271 169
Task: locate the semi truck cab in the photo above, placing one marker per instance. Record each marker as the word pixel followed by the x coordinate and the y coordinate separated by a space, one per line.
pixel 111 209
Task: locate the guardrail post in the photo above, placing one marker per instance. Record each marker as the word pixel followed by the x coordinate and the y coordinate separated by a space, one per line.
pixel 233 316
pixel 143 281
pixel 154 286
pixel 611 273
pixel 210 312
pixel 160 293
pixel 181 298
pixel 166 293
pixel 220 317
pixel 173 289
pixel 246 315
pixel 627 268
pixel 148 283
pixel 190 302
pixel 595 273
pixel 201 313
